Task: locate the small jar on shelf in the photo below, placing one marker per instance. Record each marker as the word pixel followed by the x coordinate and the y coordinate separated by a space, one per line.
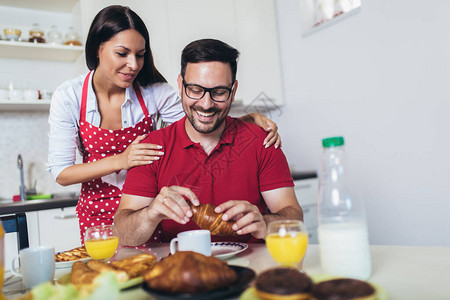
pixel 36 34
pixel 54 36
pixel 72 37
pixel 12 34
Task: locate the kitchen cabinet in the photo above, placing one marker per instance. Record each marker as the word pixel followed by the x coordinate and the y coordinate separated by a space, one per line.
pixel 57 227
pixel 306 192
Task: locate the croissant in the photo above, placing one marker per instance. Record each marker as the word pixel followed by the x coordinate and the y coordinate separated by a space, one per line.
pixel 82 275
pixel 136 265
pixel 189 272
pixel 102 267
pixel 205 218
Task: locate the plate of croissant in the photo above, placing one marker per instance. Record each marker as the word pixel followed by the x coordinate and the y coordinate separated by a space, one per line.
pixel 66 259
pixel 190 275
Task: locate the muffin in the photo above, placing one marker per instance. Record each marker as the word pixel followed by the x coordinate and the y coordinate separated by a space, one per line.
pixel 284 284
pixel 343 289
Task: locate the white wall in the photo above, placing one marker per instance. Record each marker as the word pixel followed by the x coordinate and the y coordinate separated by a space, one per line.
pixel 26 132
pixel 379 78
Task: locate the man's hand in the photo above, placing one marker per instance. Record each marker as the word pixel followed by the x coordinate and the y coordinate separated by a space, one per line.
pixel 171 204
pixel 247 216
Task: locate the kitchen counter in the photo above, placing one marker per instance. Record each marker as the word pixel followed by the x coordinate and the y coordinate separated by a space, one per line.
pixel 33 205
pixel 302 175
pixel 14 219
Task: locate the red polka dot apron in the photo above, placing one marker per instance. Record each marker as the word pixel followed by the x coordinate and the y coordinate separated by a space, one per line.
pixel 99 199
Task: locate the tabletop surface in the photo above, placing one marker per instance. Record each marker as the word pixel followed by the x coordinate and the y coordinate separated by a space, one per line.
pixel 403 272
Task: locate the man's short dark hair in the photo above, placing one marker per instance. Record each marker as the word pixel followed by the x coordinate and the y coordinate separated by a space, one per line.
pixel 206 50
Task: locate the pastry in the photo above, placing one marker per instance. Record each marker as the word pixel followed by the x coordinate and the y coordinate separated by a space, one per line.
pixel 82 275
pixel 102 267
pixel 189 272
pixel 71 255
pixel 284 284
pixel 135 266
pixel 343 289
pixel 205 218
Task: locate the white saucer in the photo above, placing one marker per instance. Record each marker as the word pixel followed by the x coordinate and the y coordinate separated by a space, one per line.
pixel 225 250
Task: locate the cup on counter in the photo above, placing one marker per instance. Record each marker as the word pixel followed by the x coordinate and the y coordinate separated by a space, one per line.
pixel 192 240
pixel 37 265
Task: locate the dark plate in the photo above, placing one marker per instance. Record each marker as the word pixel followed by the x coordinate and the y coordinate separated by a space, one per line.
pixel 245 276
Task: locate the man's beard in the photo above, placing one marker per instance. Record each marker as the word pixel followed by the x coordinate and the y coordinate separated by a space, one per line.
pixel 200 127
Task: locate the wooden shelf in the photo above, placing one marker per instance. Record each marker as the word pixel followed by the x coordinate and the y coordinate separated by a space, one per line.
pixel 25 50
pixel 24 105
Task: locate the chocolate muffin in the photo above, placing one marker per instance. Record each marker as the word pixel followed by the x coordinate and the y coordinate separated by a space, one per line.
pixel 284 284
pixel 343 289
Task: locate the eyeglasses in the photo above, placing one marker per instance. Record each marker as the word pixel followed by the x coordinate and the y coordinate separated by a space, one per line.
pixel 217 94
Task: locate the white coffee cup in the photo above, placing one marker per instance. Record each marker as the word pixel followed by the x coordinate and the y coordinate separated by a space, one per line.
pixel 37 265
pixel 192 240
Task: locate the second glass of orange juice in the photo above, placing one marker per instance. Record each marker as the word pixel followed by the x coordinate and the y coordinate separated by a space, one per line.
pixel 287 241
pixel 101 242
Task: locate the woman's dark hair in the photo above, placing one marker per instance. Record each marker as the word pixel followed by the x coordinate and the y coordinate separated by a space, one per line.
pixel 110 21
pixel 209 50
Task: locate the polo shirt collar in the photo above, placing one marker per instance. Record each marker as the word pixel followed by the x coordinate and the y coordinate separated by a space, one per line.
pixel 228 135
pixel 91 103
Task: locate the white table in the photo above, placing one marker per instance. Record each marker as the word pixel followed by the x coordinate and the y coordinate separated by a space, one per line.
pixel 404 272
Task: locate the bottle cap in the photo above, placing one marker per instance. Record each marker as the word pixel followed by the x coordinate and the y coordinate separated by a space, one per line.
pixel 333 142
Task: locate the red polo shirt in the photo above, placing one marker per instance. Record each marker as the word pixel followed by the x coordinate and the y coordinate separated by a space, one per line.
pixel 239 168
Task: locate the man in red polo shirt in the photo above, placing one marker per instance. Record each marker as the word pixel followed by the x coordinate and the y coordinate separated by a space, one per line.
pixel 209 157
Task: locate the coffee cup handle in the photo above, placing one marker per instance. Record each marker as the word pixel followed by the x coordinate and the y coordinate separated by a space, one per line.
pixel 173 245
pixel 13 268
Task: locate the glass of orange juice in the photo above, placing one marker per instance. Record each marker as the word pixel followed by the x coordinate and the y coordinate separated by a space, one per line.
pixel 101 242
pixel 287 241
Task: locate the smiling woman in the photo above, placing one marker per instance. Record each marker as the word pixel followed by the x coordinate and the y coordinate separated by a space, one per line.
pixel 109 111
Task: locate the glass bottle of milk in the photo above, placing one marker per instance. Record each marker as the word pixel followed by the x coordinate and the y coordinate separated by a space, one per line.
pixel 343 236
